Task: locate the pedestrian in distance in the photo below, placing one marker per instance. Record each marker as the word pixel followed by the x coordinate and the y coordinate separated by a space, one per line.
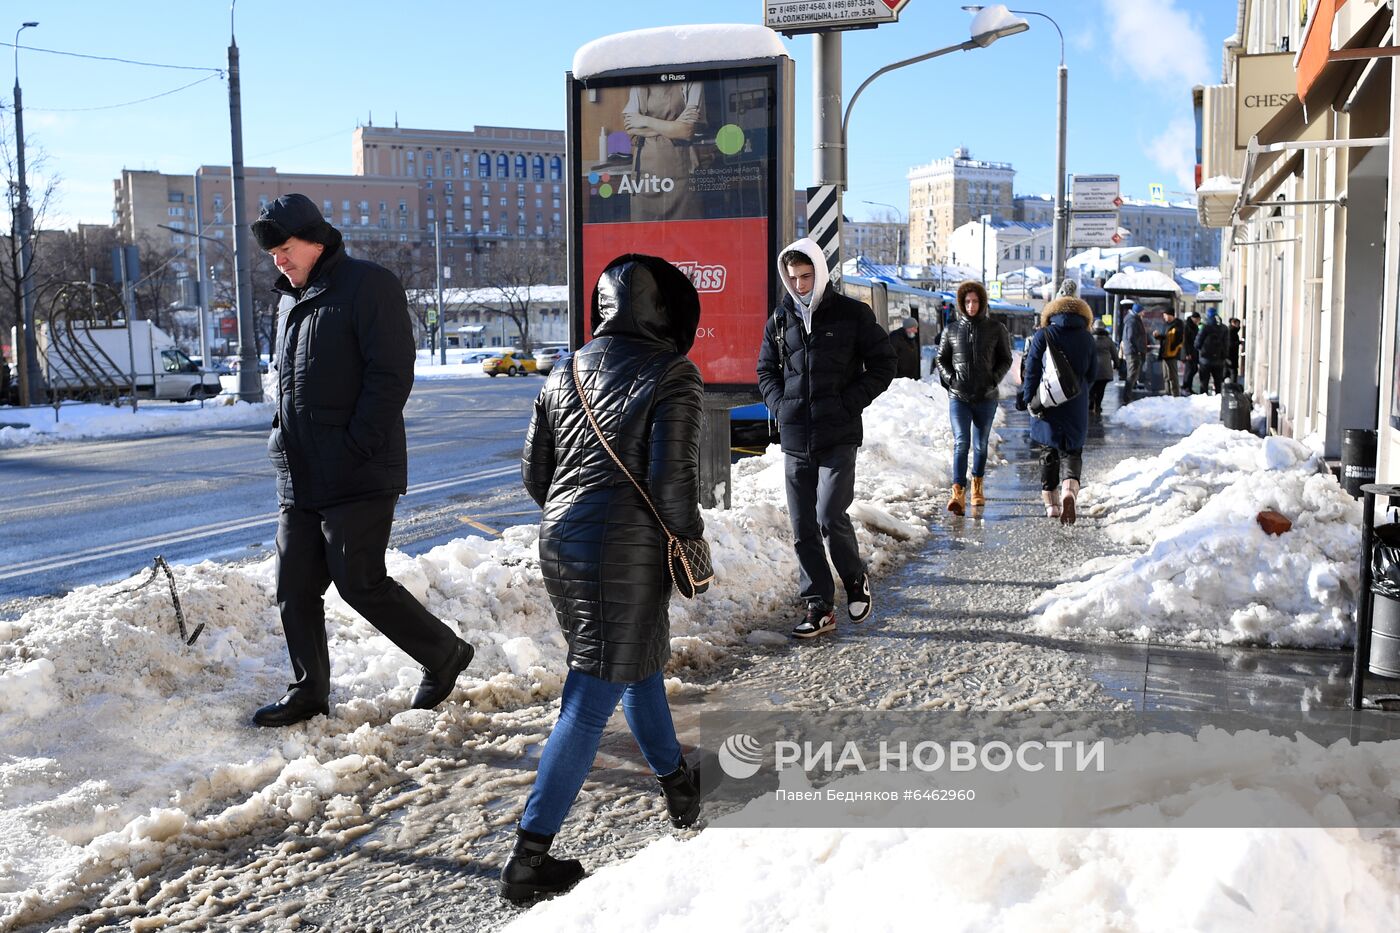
pixel 973 358
pixel 1234 344
pixel 1062 430
pixel 345 356
pixel 1189 352
pixel 1134 348
pixel 602 549
pixel 823 360
pixel 1170 340
pixel 1106 364
pixel 905 341
pixel 4 380
pixel 1213 343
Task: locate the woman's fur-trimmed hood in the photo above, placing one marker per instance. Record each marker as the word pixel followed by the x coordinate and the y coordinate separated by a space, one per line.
pixel 1067 305
pixel 984 304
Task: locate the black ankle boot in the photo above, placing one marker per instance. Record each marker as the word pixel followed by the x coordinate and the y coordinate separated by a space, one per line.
pixel 682 791
pixel 532 872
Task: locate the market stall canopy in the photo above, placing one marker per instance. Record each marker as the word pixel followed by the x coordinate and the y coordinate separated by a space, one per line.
pixel 1142 282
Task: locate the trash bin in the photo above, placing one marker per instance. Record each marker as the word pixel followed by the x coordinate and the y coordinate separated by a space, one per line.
pixel 1358 459
pixel 1385 606
pixel 1236 407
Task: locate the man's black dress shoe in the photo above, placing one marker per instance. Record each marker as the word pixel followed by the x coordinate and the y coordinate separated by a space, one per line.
pixel 435 686
pixel 297 706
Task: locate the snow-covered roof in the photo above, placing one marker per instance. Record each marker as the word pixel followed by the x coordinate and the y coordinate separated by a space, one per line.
pixel 1141 280
pixel 492 295
pixel 665 46
pixel 1219 183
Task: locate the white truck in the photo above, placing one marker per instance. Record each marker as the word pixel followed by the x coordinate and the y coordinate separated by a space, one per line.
pixel 88 360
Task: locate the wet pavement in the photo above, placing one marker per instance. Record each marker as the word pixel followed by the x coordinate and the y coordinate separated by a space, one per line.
pixel 948 633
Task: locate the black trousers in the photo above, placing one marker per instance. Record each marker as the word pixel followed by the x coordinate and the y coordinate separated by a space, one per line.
pixel 344 545
pixel 1213 372
pixel 820 488
pixel 1096 395
pixel 1050 463
pixel 1188 382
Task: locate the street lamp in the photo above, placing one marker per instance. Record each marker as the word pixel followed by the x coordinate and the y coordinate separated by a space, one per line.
pixel 989 25
pixel 1057 271
pixel 898 233
pixel 31 379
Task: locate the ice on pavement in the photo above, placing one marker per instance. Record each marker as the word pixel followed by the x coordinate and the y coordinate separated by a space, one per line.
pixel 119 745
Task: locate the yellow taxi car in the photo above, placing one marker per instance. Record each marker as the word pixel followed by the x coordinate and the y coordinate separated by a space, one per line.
pixel 511 363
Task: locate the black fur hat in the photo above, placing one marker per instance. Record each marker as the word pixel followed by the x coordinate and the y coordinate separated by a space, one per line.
pixel 291 215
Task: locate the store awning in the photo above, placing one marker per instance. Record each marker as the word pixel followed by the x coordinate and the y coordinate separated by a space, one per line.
pixel 1269 182
pixel 1325 74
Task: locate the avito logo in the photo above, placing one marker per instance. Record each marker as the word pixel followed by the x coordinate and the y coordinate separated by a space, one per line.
pixel 740 756
pixel 705 278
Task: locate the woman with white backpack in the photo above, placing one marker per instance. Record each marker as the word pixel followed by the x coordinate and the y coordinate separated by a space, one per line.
pixel 1060 364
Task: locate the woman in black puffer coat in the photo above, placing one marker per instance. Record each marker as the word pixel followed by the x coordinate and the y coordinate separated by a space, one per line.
pixel 601 549
pixel 973 357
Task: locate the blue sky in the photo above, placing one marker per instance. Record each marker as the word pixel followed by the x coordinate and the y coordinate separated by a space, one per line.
pixel 309 75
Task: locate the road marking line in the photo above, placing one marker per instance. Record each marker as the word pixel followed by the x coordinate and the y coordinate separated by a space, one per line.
pixel 467 520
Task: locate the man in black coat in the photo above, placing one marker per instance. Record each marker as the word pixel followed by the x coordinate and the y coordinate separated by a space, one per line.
pixel 824 358
pixel 1213 344
pixel 1193 356
pixel 905 342
pixel 345 356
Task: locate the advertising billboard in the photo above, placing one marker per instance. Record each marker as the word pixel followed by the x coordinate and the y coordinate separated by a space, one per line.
pixel 687 164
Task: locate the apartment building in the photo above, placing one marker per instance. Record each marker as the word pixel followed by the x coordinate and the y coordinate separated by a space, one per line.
pixel 947 193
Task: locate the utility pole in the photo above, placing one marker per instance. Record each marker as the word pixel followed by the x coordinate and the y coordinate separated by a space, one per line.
pixel 201 297
pixel 249 370
pixel 31 379
pixel 829 140
pixel 440 325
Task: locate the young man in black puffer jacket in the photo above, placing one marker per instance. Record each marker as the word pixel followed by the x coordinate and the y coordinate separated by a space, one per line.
pixel 824 359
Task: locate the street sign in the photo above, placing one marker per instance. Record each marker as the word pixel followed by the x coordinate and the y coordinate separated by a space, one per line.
pixel 1094 192
pixel 994 289
pixel 792 17
pixel 1094 228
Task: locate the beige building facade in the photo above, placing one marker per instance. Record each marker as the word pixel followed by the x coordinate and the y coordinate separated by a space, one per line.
pixel 1300 195
pixel 947 193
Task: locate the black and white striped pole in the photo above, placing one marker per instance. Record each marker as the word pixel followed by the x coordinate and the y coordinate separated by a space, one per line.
pixel 824 226
pixel 828 152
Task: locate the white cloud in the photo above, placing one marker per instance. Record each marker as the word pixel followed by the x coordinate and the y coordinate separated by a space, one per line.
pixel 1174 151
pixel 1160 44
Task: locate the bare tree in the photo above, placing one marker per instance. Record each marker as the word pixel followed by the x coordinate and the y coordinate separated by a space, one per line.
pixel 15 280
pixel 414 266
pixel 508 281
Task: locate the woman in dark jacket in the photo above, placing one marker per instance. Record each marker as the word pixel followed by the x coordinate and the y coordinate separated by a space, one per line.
pixel 1106 352
pixel 1061 430
pixel 601 549
pixel 974 356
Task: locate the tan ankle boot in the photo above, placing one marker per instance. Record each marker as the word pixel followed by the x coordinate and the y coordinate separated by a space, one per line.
pixel 957 501
pixel 976 497
pixel 1069 492
pixel 1051 498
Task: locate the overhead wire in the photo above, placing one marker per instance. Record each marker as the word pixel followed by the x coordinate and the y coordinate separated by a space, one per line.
pixel 129 103
pixel 107 58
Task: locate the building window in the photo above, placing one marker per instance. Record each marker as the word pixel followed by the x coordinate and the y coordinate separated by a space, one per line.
pixel 503 165
pixel 427 171
pixel 411 168
pixel 218 202
pixel 483 166
pixel 556 168
pixel 219 217
pixel 427 186
pixel 345 205
pixel 519 202
pixel 520 166
pixel 431 214
pixel 503 202
pixel 403 207
pixel 537 166
pixel 218 234
pixel 447 186
pixel 176 197
pixel 446 168
pixel 554 203
pixel 539 231
pixel 447 199
pixel 175 211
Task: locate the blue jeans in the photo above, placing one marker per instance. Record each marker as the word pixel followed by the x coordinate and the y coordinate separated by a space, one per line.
pixel 977 415
pixel 587 704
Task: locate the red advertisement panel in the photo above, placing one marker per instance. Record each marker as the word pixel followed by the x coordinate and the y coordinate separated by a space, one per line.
pixel 728 262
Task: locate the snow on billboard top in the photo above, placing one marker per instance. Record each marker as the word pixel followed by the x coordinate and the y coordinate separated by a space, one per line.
pixel 676 45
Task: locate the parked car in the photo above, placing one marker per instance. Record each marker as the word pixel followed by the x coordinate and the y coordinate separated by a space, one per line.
pixel 751 427
pixel 512 363
pixel 546 357
pixel 478 356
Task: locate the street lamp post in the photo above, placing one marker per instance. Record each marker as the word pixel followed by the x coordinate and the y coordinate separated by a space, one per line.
pixel 898 234
pixel 830 126
pixel 249 369
pixel 1057 270
pixel 31 379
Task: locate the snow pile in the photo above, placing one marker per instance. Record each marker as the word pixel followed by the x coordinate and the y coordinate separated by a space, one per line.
pixel 1054 879
pixel 1210 574
pixel 1180 415
pixel 116 738
pixel 84 421
pixel 666 45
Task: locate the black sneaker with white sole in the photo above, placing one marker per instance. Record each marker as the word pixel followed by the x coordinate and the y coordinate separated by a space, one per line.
pixel 858 601
pixel 819 620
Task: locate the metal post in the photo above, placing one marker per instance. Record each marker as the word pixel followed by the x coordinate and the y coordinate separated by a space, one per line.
pixel 828 142
pixel 202 296
pixel 1361 647
pixel 31 378
pixel 1057 270
pixel 129 304
pixel 249 370
pixel 441 326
